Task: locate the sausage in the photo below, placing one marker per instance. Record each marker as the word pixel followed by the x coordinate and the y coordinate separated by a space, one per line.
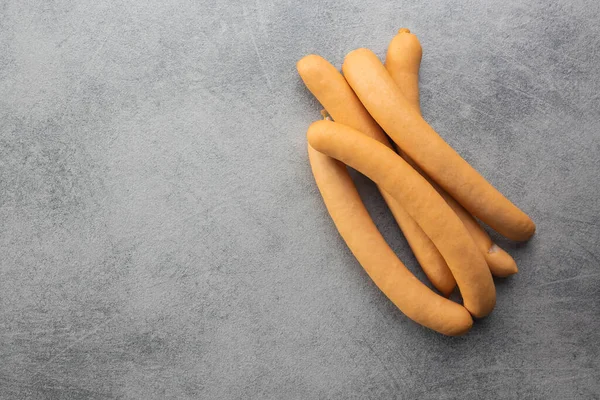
pixel 354 224
pixel 389 107
pixel 402 61
pixel 330 88
pixel 420 200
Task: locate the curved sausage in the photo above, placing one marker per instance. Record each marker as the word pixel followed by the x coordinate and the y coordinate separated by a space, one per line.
pixel 359 232
pixel 403 61
pixel 420 200
pixel 328 85
pixel 389 107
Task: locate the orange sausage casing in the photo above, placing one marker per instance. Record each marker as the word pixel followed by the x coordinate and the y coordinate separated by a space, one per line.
pixel 402 61
pixel 420 200
pixel 328 85
pixel 389 107
pixel 359 232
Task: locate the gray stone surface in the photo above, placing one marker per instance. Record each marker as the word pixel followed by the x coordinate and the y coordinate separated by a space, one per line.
pixel 162 236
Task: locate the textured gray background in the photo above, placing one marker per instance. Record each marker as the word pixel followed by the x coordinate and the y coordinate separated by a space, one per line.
pixel 162 236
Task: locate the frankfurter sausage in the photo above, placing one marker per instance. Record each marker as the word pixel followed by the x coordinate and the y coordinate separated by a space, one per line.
pixel 354 224
pixel 420 200
pixel 330 88
pixel 403 61
pixel 389 107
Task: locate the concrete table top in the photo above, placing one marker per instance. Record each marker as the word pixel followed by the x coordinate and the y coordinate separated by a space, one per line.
pixel 162 236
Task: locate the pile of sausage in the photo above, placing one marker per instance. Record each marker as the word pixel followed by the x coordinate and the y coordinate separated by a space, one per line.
pixel 433 193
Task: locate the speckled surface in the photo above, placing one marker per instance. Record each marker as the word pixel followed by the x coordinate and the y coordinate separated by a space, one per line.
pixel 162 236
